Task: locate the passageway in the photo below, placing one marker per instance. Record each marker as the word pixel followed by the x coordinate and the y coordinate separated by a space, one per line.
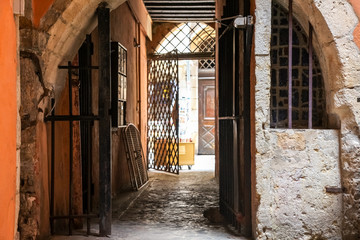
pixel 169 207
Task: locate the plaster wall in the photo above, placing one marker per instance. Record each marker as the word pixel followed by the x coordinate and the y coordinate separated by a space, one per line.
pixel 124 29
pixel 194 114
pixel 127 30
pixel 339 57
pixel 356 33
pixel 8 121
pixel 143 92
pixel 188 101
pixel 39 10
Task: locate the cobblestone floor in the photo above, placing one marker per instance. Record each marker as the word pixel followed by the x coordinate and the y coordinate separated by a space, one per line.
pixel 170 207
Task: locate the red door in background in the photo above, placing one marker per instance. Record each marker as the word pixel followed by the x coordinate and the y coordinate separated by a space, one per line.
pixel 206 112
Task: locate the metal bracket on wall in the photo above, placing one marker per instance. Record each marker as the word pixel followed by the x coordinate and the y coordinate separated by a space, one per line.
pixel 335 189
pixel 243 22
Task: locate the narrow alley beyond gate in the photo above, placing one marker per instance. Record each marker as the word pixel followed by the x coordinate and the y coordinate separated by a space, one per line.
pixel 169 207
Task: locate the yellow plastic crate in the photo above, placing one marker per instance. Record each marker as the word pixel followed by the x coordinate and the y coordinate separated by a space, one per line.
pixel 186 154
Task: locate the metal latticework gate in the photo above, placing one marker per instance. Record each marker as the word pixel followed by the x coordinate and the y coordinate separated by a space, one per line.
pixel 163 126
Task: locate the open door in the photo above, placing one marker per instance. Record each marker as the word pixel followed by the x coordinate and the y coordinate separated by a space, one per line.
pixel 234 117
pixel 206 112
pixel 163 126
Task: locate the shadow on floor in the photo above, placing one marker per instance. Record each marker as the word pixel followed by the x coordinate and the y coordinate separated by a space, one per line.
pixel 169 207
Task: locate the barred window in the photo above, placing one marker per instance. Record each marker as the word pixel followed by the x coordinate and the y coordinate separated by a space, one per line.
pixel 300 76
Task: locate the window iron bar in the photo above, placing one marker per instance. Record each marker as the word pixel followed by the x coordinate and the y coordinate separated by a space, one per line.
pixel 87 216
pixel 71 118
pixel 52 184
pixel 70 148
pixel 78 67
pixel 310 75
pixel 290 64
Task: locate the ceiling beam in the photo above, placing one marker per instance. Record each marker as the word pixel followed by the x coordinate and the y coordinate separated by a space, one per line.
pixel 181 20
pixel 181 11
pixel 178 1
pixel 185 15
pixel 179 7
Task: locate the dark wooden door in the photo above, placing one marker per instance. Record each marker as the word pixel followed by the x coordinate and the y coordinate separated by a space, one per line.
pixel 234 118
pixel 207 113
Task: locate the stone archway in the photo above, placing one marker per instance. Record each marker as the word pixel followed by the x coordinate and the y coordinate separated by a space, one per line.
pixel 66 35
pixel 337 55
pixel 57 40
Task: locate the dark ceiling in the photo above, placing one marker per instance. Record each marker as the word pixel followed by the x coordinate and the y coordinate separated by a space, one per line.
pixel 181 10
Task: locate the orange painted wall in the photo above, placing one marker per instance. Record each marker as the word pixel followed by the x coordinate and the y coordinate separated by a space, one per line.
pixel 40 7
pixel 356 33
pixel 7 120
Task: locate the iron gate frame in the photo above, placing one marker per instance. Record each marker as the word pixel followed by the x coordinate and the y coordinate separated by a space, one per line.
pixel 82 118
pixel 163 142
pixel 104 107
pixel 234 126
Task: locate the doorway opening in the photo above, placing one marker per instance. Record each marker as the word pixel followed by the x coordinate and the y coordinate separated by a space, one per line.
pixel 165 146
pixel 191 113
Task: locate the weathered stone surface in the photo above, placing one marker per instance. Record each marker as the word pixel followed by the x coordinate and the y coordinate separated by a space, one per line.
pixel 262 91
pixel 170 207
pixel 32 201
pixel 339 58
pixel 292 178
pixel 29 188
pixel 66 36
pixel 263 28
pixel 291 141
pixel 346 105
pixel 173 206
pixel 331 11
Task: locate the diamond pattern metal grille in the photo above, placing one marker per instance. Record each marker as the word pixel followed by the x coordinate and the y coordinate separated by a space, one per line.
pixel 163 134
pixel 207 46
pixel 188 38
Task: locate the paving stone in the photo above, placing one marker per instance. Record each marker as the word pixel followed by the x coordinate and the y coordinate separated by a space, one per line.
pixel 170 207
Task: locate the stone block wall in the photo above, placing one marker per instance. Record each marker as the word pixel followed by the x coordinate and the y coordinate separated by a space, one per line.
pixel 34 201
pixel 339 56
pixel 295 168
